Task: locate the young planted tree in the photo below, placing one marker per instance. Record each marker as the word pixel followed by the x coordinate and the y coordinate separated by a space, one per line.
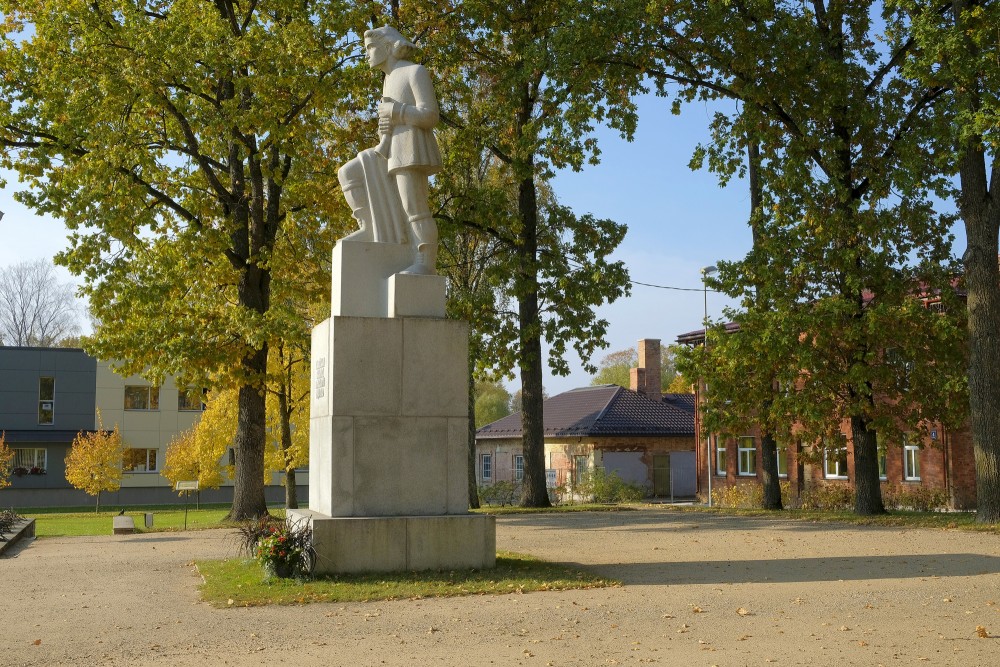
pixel 178 140
pixel 845 234
pixel 94 462
pixel 6 461
pixel 956 46
pixel 191 456
pixel 35 308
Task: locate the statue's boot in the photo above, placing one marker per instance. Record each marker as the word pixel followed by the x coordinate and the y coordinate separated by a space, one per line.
pixel 425 234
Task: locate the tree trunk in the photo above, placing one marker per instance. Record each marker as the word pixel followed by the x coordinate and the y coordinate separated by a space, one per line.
pixel 285 415
pixel 981 215
pixel 98 508
pixel 533 493
pixel 248 483
pixel 867 489
pixel 769 472
pixel 473 487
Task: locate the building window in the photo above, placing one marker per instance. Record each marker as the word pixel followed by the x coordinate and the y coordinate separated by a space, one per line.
pixel 142 398
pixel 911 462
pixel 46 401
pixel 518 467
pixel 882 461
pixel 29 461
pixel 782 451
pixel 190 399
pixel 720 457
pixel 579 469
pixel 139 460
pixel 835 460
pixel 487 467
pixel 748 455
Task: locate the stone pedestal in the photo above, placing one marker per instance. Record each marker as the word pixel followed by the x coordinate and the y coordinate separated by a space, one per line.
pixel 388 461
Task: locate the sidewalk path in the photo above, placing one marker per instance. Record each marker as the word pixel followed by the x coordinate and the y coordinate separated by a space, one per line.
pixel 698 590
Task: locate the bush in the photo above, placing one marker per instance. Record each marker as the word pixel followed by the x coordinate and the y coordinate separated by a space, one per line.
pixel 500 493
pixel 916 498
pixel 606 487
pixel 8 518
pixel 748 495
pixel 828 497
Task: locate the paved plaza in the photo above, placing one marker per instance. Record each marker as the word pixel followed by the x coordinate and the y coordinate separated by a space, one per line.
pixel 698 589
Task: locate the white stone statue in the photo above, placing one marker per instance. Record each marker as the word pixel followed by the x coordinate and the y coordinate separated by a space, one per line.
pixel 386 186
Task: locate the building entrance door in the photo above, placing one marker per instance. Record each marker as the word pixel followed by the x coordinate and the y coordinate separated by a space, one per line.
pixel 661 475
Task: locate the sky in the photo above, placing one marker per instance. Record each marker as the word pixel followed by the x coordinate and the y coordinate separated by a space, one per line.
pixel 678 222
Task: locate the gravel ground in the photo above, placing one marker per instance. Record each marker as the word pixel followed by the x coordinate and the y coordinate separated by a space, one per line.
pixel 697 590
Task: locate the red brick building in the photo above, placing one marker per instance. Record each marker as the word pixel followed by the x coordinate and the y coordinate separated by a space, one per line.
pixel 940 459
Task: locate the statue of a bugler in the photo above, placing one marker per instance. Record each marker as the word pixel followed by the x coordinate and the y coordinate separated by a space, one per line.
pixel 386 186
pixel 388 411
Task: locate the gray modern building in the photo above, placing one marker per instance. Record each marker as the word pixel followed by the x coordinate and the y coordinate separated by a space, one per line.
pixel 47 397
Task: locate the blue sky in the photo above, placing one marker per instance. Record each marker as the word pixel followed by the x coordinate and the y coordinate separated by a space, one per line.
pixel 678 221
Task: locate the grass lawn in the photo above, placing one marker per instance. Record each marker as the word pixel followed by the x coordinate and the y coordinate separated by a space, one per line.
pixel 57 522
pixel 241 583
pixel 582 507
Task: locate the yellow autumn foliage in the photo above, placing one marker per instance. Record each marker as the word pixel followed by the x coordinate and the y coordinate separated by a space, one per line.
pixel 94 462
pixel 6 461
pixel 191 455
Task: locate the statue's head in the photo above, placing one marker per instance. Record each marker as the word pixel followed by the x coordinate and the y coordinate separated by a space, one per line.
pixel 391 39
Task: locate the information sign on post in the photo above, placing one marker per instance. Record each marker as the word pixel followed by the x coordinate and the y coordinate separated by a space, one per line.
pixel 187 487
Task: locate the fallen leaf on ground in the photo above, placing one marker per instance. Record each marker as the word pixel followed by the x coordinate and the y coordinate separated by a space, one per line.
pixel 743 612
pixel 696 610
pixel 982 633
pixel 37 642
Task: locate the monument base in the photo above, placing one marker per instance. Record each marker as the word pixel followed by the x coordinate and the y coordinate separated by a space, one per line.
pixel 400 543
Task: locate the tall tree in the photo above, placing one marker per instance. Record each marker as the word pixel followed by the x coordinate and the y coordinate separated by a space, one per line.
pixel 850 232
pixel 179 140
pixel 615 368
pixel 35 308
pixel 957 47
pixel 525 81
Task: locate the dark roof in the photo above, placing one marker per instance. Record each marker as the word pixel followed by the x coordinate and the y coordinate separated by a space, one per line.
pixel 605 410
pixel 41 436
pixel 697 337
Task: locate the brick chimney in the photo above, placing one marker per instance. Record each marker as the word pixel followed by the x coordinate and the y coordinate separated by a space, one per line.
pixel 646 378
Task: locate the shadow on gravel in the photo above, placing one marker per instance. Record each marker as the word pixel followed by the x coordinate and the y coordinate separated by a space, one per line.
pixel 782 570
pixel 654 520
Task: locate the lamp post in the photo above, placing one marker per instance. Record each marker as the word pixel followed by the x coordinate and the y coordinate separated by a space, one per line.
pixel 705 272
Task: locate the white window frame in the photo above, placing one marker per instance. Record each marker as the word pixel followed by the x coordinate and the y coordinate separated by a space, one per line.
pixel 146 468
pixel 486 467
pixel 838 473
pixel 720 458
pixel 151 392
pixel 48 404
pixel 781 452
pixel 518 467
pixel 21 457
pixel 198 393
pixel 911 461
pixel 581 464
pixel 747 454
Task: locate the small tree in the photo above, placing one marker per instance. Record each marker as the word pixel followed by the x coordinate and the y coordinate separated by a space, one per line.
pixel 6 462
pixel 94 463
pixel 192 456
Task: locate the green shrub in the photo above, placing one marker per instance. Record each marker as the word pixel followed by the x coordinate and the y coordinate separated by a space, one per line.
pixel 500 493
pixel 604 487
